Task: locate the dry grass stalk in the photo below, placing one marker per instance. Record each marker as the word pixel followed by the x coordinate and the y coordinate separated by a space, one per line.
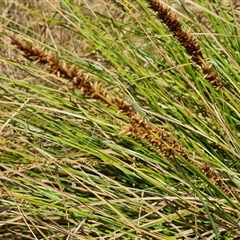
pixel 139 126
pixel 190 44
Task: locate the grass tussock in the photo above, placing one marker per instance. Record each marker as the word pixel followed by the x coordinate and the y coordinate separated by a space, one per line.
pixel 119 120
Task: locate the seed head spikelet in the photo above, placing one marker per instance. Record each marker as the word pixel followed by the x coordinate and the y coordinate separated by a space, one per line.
pixel 138 127
pixel 190 44
pixel 217 179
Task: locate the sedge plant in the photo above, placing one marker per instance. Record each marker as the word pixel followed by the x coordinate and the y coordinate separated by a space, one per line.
pixel 120 120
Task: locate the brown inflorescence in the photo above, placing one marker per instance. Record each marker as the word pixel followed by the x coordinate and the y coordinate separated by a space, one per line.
pixel 186 40
pixel 215 178
pixel 158 137
pixel 138 127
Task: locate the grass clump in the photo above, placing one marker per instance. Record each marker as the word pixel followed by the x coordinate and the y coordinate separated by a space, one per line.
pixel 120 120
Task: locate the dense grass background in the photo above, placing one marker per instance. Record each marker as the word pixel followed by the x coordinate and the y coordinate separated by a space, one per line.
pixel 69 170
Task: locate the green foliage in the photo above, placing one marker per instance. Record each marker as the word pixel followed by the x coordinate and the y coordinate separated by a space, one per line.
pixel 69 168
